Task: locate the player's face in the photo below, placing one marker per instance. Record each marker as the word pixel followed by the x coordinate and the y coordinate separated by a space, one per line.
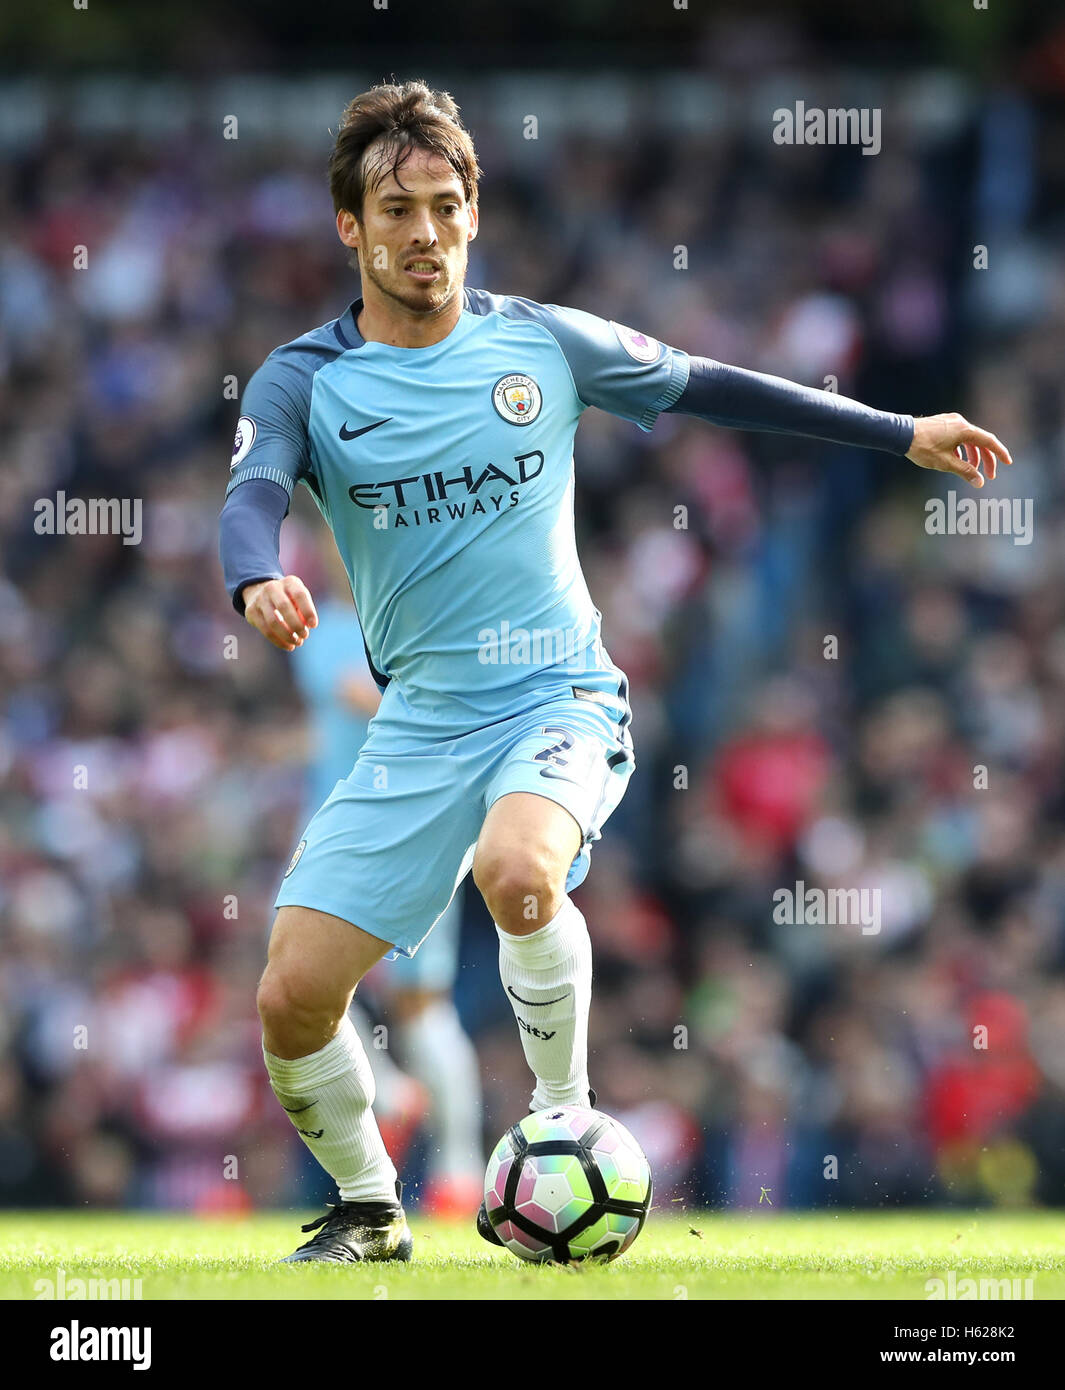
pixel 414 234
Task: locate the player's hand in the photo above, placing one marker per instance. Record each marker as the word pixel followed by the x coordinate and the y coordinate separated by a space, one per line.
pixel 282 610
pixel 949 444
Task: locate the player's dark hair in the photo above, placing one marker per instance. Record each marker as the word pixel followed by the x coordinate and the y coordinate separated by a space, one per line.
pixel 409 116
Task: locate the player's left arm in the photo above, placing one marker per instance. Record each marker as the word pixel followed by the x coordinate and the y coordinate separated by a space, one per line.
pixel 636 377
pixel 741 399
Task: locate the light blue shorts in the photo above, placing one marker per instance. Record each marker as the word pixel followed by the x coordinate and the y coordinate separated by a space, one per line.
pixel 390 846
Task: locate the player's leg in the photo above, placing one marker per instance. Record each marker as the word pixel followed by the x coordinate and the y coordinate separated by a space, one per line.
pixel 317 1064
pixel 562 772
pixel 522 861
pixel 377 865
pixel 558 781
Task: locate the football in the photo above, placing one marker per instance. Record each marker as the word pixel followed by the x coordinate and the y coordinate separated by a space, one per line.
pixel 567 1184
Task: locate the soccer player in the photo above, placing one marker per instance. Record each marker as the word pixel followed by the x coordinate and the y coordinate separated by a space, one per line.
pixel 434 426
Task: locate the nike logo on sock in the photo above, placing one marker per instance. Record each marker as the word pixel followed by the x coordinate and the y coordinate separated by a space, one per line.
pixel 311 1133
pixel 537 1003
pixel 345 433
pixel 299 1109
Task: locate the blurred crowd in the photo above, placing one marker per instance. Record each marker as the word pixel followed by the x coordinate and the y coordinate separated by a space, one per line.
pixel 823 692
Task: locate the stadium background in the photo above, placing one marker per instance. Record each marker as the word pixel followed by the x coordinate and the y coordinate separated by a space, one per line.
pixel 654 133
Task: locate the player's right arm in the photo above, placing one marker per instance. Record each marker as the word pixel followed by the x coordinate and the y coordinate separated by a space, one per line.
pixel 270 455
pixel 282 610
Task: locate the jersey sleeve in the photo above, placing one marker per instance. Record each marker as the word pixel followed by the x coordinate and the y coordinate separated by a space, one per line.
pixel 741 399
pixel 616 368
pixel 271 441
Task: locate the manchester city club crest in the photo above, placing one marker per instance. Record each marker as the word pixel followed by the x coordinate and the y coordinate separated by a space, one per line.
pixel 517 398
pixel 296 857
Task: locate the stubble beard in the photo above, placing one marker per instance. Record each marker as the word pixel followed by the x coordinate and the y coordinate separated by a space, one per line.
pixel 413 300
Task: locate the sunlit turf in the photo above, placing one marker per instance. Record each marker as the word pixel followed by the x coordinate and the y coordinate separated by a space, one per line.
pixel 700 1255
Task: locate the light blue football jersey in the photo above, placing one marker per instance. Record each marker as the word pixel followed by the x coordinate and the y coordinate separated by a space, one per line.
pixel 446 476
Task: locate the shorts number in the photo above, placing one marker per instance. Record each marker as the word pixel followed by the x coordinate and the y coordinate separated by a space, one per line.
pixel 556 752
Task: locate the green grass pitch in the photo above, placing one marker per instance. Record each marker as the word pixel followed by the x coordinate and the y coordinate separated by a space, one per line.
pixel 758 1255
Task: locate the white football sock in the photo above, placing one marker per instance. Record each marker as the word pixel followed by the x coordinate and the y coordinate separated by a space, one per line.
pixel 439 1053
pixel 329 1096
pixel 548 979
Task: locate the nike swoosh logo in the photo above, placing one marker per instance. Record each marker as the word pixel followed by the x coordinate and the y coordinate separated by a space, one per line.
pixel 312 1133
pixel 537 1003
pixel 345 433
pixel 299 1109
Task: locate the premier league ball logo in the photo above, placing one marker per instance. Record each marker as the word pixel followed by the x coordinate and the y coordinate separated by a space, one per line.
pixel 638 345
pixel 242 441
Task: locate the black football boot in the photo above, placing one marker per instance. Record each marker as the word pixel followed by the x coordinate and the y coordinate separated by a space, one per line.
pixel 352 1232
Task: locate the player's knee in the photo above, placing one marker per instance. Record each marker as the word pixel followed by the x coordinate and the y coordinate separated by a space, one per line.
pixel 290 1005
pixel 519 887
